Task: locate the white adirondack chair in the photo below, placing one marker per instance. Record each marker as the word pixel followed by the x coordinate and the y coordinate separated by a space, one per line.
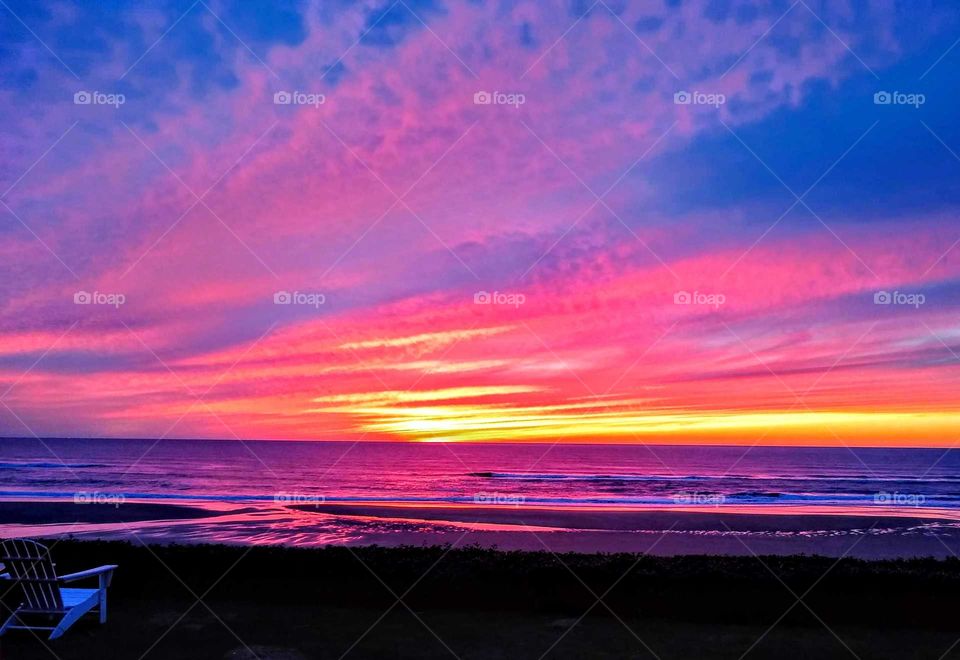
pixel 29 564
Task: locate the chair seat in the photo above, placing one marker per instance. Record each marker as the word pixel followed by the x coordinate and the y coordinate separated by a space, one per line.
pixel 72 597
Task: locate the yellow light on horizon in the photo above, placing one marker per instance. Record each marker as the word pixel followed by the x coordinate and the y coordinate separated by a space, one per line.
pixel 466 424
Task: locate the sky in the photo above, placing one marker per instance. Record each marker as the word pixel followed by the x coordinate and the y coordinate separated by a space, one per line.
pixel 668 221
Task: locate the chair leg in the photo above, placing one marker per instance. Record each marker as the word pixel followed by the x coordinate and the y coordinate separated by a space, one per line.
pixel 71 617
pixel 103 606
pixel 9 622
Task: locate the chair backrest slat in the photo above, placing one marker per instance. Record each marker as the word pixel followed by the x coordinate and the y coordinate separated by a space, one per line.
pixel 30 565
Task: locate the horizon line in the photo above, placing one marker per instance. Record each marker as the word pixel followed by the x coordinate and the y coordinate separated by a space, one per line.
pixel 797 445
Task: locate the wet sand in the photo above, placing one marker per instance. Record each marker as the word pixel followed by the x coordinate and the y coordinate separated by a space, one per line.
pixel 868 534
pixel 48 513
pixel 688 520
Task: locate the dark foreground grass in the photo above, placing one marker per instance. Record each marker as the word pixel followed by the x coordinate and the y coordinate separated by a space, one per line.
pixel 292 603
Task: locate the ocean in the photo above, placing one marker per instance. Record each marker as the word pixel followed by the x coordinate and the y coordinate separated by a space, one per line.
pixel 287 492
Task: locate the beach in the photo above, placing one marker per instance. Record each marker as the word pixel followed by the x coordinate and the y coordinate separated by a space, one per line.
pixel 290 603
pixel 406 552
pixel 866 533
pixel 875 504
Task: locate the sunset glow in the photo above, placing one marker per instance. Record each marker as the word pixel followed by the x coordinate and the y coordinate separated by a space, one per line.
pixel 605 261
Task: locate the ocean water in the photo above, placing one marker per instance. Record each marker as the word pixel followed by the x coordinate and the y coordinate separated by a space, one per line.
pixel 560 475
pixel 572 497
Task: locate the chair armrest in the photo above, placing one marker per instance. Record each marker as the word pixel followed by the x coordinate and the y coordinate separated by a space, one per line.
pixel 105 571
